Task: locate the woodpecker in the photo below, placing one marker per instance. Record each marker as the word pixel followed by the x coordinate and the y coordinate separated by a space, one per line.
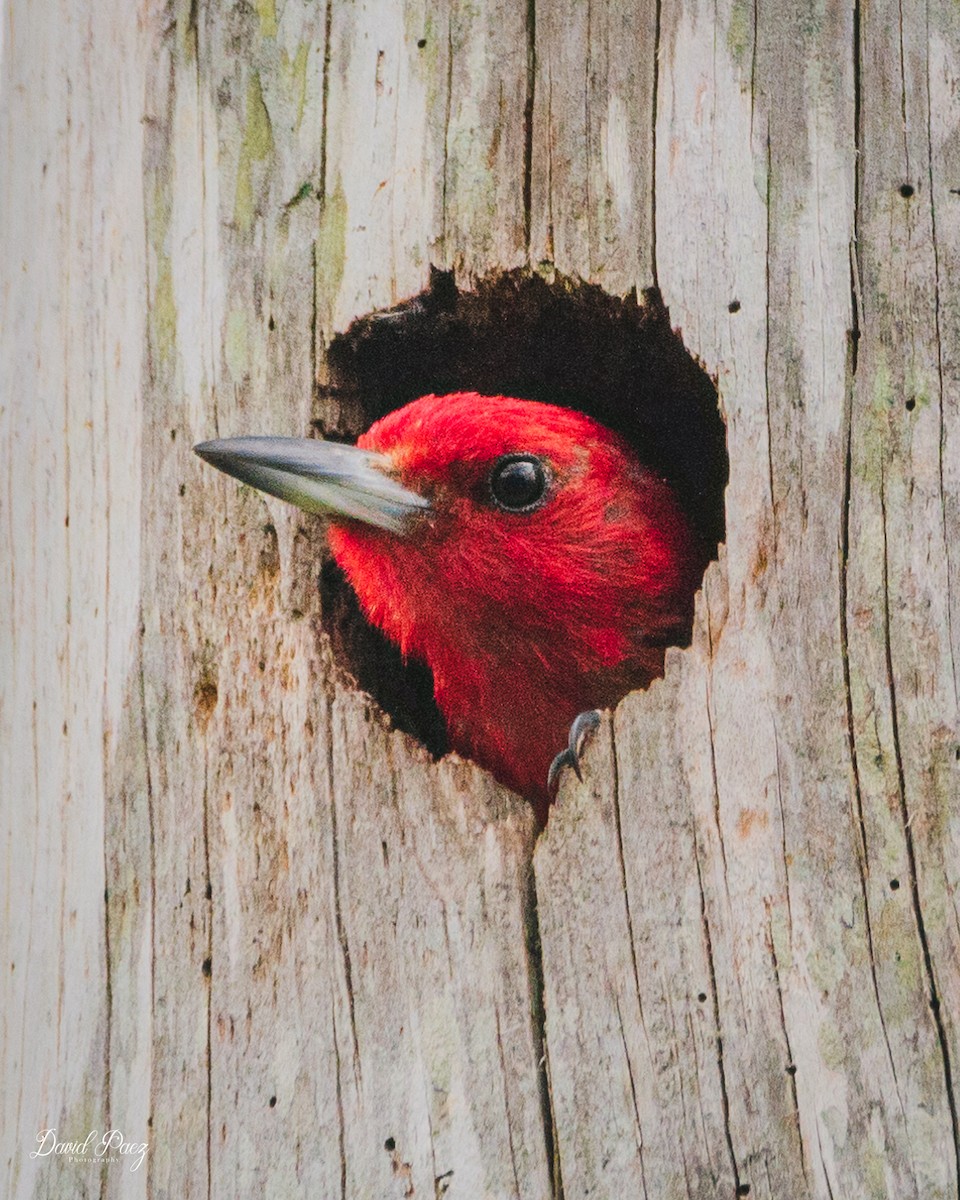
pixel 521 550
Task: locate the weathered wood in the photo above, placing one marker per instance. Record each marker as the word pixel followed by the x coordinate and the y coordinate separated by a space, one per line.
pixel 71 351
pixel 244 920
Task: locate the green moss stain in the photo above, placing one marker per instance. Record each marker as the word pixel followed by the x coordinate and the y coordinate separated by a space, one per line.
pixel 236 345
pixel 874 1172
pixel 295 77
pixel 164 312
pixel 185 17
pixel 267 12
pixel 833 1046
pixel 256 146
pixel 163 308
pixel 331 247
pixel 896 947
pixel 740 33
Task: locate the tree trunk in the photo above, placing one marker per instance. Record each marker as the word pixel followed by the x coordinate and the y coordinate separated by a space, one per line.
pixel 248 923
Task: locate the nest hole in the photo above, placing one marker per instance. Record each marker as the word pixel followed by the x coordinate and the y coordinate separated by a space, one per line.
pixel 519 334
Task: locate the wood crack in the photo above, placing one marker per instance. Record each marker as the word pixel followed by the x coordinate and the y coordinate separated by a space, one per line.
pixel 615 782
pixel 718 1033
pixel 538 1014
pixel 341 1124
pixel 325 101
pixel 152 834
pixel 528 107
pixel 208 971
pixel 826 1173
pixel 506 1104
pixel 863 856
pixel 771 945
pixel 447 110
pixel 933 998
pixel 766 349
pixel 342 939
pixel 938 336
pixel 654 108
pixel 633 1095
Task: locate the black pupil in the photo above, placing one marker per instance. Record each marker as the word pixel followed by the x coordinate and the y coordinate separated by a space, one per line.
pixel 518 483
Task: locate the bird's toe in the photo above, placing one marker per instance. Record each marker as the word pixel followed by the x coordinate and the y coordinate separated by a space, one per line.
pixel 583 726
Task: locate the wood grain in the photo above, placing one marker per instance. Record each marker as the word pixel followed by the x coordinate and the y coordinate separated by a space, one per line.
pixel 247 922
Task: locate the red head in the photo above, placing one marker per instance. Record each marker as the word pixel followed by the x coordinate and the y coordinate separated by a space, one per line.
pixel 547 576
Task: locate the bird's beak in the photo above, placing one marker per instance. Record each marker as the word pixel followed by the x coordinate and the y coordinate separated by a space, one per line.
pixel 321 477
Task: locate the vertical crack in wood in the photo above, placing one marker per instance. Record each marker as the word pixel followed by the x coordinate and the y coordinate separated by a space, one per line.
pixel 938 334
pixel 108 1016
pixel 341 1126
pixel 863 856
pixel 506 1104
pixel 209 971
pixel 775 963
pixel 208 882
pixel 654 107
pixel 853 355
pixel 853 345
pixel 314 310
pixel 591 238
pixel 325 102
pixel 715 783
pixel 337 902
pixel 718 1032
pixel 856 272
pixel 447 112
pixel 823 1162
pixel 783 833
pixel 539 1020
pixel 615 787
pixel 753 67
pixel 152 834
pixel 531 31
pixel 766 348
pixel 633 1095
pixel 934 998
pixel 550 245
pixel 321 192
pixel 107 946
pixel 427 1098
pixel 903 90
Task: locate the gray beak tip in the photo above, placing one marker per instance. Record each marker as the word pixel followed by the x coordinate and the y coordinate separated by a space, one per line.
pixel 329 478
pixel 210 452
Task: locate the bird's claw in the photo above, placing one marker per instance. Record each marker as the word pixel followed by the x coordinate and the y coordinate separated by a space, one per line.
pixel 581 729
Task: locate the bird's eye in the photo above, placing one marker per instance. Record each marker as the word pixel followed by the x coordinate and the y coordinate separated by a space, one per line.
pixel 518 482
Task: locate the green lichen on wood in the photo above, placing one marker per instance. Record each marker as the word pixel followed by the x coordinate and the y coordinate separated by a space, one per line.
pixel 740 33
pixel 833 1046
pixel 295 76
pixel 236 348
pixel 163 307
pixel 257 145
pixel 267 12
pixel 331 248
